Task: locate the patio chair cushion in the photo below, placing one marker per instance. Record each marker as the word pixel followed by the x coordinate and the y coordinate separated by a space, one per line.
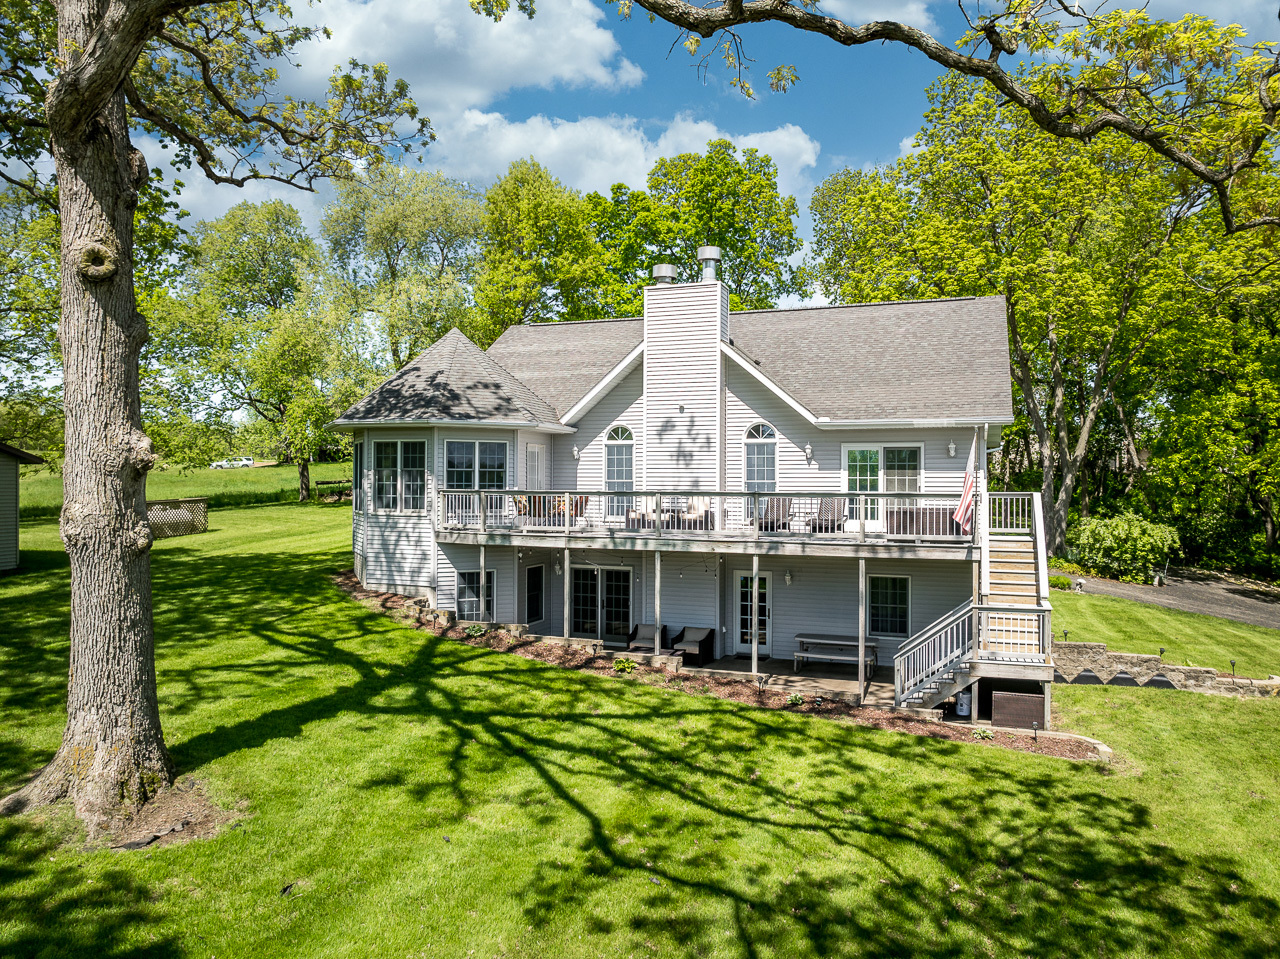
pixel 643 635
pixel 695 644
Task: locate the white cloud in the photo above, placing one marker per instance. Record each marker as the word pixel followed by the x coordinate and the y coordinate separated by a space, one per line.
pixel 907 146
pixel 914 13
pixel 593 153
pixel 455 59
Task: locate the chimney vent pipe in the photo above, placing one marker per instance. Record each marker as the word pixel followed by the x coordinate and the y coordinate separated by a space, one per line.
pixel 709 257
pixel 664 273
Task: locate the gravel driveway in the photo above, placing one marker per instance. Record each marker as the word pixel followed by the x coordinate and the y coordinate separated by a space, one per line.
pixel 1194 591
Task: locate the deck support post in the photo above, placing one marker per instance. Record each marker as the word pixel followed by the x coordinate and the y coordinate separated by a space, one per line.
pixel 484 579
pixel 657 601
pixel 755 614
pixel 862 630
pixel 566 594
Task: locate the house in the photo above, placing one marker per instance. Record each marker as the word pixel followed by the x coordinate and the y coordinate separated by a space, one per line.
pixel 786 479
pixel 10 457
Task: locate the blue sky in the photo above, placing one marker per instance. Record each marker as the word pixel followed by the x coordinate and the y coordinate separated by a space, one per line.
pixel 598 99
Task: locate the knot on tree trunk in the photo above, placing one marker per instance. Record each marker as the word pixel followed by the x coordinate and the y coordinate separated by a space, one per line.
pixel 96 261
pixel 142 454
pixel 138 171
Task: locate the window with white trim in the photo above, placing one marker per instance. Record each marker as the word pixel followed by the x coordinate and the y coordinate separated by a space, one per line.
pixel 385 463
pixel 413 474
pixel 475 465
pixel 469 594
pixel 902 469
pixel 619 468
pixel 862 469
pixel 357 477
pixel 760 473
pixel 889 605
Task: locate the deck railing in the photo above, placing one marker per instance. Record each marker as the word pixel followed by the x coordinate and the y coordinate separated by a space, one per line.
pixel 1009 633
pixel 1010 512
pixel 857 517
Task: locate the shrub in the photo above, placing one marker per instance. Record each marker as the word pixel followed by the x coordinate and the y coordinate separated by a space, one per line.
pixel 624 665
pixel 1126 546
pixel 1060 582
pixel 476 630
pixel 795 699
pixel 1060 565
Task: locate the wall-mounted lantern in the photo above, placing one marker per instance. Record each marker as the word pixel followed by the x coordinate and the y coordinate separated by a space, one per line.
pixel 951 448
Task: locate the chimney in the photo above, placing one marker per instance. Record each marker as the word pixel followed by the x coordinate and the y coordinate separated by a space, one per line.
pixel 709 257
pixel 664 273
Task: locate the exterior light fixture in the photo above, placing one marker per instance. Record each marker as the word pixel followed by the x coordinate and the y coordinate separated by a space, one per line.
pixel 951 449
pixel 576 452
pixel 1162 651
pixel 558 569
pixel 786 577
pixel 808 452
pixel 1233 669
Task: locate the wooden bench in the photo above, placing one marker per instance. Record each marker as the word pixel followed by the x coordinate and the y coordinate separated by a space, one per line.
pixel 823 647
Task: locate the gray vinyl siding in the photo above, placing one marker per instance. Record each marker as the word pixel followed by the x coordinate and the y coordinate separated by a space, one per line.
pixel 684 325
pixel 456 557
pixel 623 405
pixel 749 401
pixel 823 597
pixel 8 512
pixel 393 548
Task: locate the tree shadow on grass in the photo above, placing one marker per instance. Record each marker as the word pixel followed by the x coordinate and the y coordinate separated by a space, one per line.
pixel 699 826
pixel 50 908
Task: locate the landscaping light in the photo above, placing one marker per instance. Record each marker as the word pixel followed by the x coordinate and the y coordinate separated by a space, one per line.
pixel 1233 669
pixel 1035 731
pixel 1162 651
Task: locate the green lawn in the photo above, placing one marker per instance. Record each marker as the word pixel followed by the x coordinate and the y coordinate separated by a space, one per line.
pixel 40 492
pixel 1131 627
pixel 431 799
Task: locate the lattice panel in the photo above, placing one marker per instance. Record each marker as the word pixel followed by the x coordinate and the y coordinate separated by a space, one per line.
pixel 178 517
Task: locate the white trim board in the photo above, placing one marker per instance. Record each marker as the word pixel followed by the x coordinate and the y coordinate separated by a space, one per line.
pixel 601 389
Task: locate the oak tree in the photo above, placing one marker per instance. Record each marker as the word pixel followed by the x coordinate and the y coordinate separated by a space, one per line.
pixel 77 79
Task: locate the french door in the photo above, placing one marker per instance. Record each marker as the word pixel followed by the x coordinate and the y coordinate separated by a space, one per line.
pixel 600 603
pixel 764 613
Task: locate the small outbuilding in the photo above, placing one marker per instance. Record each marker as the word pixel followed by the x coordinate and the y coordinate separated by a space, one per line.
pixel 10 457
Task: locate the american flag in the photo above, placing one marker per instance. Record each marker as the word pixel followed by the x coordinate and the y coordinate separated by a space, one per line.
pixel 964 512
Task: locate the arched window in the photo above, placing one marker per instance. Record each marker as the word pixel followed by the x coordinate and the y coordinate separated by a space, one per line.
pixel 619 468
pixel 761 467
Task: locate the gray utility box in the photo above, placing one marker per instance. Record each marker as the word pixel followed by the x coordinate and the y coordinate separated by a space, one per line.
pixel 1018 710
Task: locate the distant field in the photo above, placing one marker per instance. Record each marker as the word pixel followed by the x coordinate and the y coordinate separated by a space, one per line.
pixel 41 492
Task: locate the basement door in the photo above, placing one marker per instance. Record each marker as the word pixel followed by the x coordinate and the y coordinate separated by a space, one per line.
pixel 600 600
pixel 764 613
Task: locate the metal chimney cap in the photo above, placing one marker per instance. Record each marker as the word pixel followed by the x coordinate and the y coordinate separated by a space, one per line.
pixel 664 273
pixel 708 253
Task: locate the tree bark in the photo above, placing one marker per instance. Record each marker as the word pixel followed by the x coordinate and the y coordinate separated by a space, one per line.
pixel 304 479
pixel 112 757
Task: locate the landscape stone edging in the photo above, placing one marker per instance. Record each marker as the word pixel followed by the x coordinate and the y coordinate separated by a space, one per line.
pixel 1071 659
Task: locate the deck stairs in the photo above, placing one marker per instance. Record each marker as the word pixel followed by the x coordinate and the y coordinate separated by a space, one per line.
pixel 1008 630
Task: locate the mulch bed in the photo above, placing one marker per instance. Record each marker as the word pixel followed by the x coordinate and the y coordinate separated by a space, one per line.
pixel 582 659
pixel 180 813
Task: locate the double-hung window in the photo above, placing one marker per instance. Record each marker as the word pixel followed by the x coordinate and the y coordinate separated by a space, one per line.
pixel 357 477
pixel 472 465
pixel 889 605
pixel 384 475
pixel 619 468
pixel 469 594
pixel 399 475
pixel 413 474
pixel 760 465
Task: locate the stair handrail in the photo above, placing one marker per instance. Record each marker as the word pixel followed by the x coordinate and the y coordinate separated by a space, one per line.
pixel 901 685
pixel 1042 558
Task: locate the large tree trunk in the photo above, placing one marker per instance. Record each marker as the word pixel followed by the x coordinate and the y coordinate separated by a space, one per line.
pixel 304 479
pixel 112 756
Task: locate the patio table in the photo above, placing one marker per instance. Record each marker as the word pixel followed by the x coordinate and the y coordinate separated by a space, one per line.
pixel 824 646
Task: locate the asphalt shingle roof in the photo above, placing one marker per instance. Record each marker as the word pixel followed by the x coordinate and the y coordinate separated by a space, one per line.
pixel 453 380
pixel 22 456
pixel 926 359
pixel 918 360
